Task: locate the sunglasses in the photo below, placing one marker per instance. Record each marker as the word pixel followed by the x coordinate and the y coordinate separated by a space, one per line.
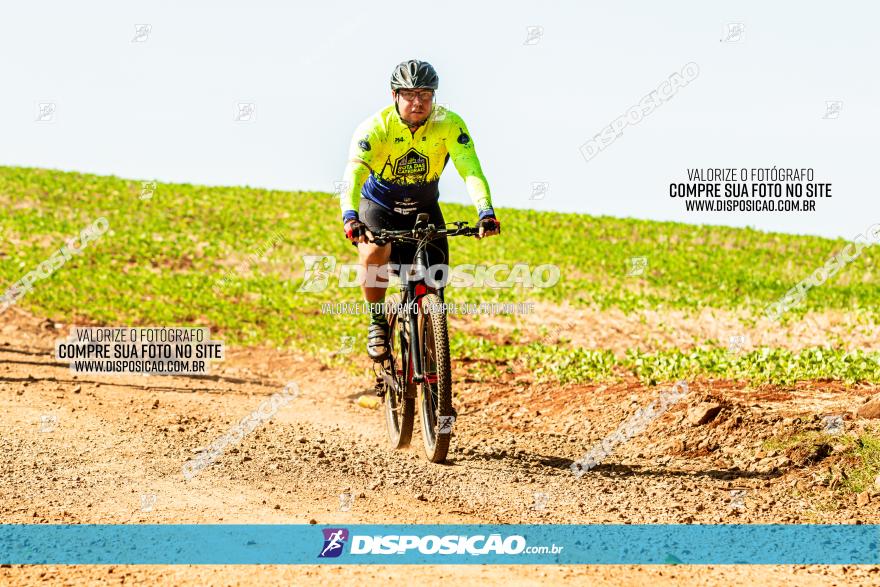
pixel 411 95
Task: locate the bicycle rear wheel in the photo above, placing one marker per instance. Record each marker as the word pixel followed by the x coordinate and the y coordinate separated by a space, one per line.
pixel 436 391
pixel 400 410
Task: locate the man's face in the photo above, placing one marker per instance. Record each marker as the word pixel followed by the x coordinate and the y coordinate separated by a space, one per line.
pixel 415 104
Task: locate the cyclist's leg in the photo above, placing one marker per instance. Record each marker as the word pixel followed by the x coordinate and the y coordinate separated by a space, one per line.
pixel 373 258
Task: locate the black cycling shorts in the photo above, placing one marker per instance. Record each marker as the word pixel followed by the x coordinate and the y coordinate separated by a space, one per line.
pixel 376 217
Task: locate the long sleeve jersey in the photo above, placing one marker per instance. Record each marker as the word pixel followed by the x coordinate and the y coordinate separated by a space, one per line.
pixel 400 169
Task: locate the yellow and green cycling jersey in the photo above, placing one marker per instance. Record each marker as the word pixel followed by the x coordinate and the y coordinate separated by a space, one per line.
pixel 400 169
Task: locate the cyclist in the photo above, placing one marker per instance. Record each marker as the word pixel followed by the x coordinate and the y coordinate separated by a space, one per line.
pixel 395 161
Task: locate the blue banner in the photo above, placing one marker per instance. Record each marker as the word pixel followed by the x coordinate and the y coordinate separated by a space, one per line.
pixel 440 544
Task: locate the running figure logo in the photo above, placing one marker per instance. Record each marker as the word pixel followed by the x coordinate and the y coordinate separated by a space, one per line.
pixel 334 541
pixel 444 424
pixel 319 269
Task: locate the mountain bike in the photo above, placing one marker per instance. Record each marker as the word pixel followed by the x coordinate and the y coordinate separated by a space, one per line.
pixel 418 363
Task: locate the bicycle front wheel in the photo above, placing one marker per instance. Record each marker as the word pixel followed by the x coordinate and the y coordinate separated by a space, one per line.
pixel 436 390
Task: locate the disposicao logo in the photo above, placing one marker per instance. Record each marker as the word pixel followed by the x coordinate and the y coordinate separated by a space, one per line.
pixel 336 538
pixel 334 541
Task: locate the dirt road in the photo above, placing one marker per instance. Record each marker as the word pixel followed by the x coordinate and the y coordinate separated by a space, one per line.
pixel 99 449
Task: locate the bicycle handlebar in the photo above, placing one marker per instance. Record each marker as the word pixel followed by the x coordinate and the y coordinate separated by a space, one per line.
pixel 428 232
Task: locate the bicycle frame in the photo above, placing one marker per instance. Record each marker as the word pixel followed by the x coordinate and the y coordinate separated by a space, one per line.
pixel 413 290
pixel 412 301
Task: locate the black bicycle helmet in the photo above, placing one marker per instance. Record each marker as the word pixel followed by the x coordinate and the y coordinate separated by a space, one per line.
pixel 414 74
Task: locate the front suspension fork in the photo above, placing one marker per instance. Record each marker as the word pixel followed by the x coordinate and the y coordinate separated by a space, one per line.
pixel 415 346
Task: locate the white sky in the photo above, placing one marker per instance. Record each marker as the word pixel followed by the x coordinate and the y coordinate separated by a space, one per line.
pixel 163 108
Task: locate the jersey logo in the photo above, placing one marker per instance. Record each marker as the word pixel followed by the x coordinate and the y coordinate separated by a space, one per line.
pixel 364 144
pixel 463 138
pixel 398 139
pixel 411 163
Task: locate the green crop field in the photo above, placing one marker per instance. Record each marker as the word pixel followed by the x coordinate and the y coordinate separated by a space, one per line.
pixel 231 258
